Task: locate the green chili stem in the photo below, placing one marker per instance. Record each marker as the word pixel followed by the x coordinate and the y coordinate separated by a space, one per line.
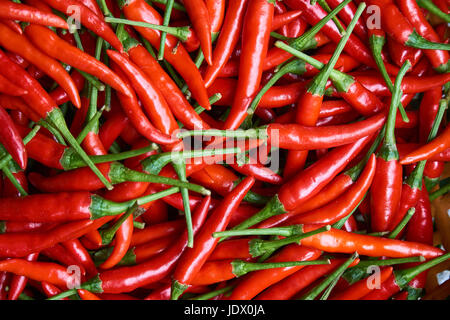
pixel 430 6
pixel 320 81
pixel 388 262
pixel 280 231
pixel 301 41
pixel 91 125
pixel 7 172
pixel 5 158
pixel 241 267
pixel 179 166
pixel 108 234
pixel 327 8
pixel 212 294
pixel 259 247
pixel 56 117
pixel 53 131
pixel 329 279
pixel 181 33
pixel 402 224
pixel 167 13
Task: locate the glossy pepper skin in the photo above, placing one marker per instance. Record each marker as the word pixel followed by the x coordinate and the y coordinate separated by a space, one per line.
pixel 256 33
pixel 17 11
pixel 192 260
pixel 11 139
pixel 21 45
pixel 139 10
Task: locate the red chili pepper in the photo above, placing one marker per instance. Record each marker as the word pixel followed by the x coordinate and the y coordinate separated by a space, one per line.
pixel 10 88
pixel 361 288
pixel 355 48
pixel 89 19
pixel 135 114
pixel 307 183
pixel 86 295
pixel 228 38
pixel 216 11
pixel 118 280
pixel 257 281
pixel 343 205
pixel 139 10
pixel 176 100
pixel 50 290
pixel 11 139
pixel 255 35
pixel 199 16
pixel 192 260
pixel 18 283
pixel 411 31
pixel 347 14
pixel 77 250
pixel 60 96
pixel 16 11
pixel 21 45
pixel 14 26
pixel 290 286
pixel 400 279
pixel 52 45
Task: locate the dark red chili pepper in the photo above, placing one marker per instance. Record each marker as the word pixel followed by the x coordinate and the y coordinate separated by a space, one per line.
pixel 89 19
pixel 139 10
pixel 11 139
pixel 17 11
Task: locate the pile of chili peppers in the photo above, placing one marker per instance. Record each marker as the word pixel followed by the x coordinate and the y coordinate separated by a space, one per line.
pixel 222 150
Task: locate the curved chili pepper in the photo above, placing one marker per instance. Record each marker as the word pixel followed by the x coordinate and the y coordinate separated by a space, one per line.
pixel 150 271
pixel 160 230
pixel 400 53
pixel 354 47
pixel 150 96
pixel 361 288
pixel 410 84
pixel 51 44
pixel 93 6
pixel 12 25
pixel 255 35
pixel 192 260
pixel 216 11
pixel 122 243
pixel 16 11
pixel 178 103
pixel 21 45
pixel 434 147
pixel 228 38
pixel 400 279
pixel 51 290
pixel 89 19
pixel 81 254
pixel 257 281
pixel 307 183
pixel 199 16
pixel 347 14
pixel 139 10
pixel 135 114
pixel 11 139
pixel 342 206
pixel 86 295
pixel 10 88
pixel 18 283
pixel 399 28
pixel 21 244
